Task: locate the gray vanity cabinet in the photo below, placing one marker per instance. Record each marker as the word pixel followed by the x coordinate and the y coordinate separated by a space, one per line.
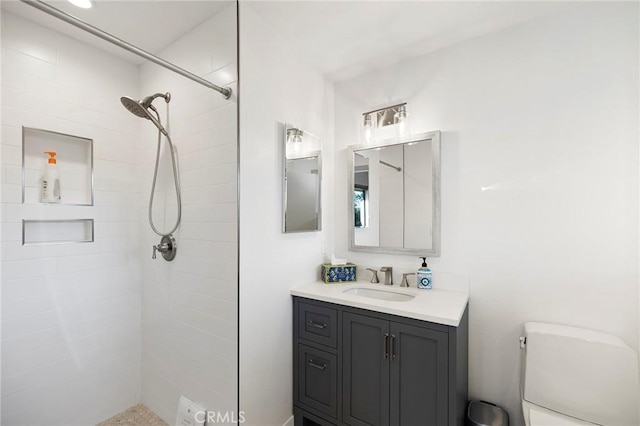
pixel 318 379
pixel 316 360
pixel 419 381
pixel 365 370
pixel 393 373
pixel 376 369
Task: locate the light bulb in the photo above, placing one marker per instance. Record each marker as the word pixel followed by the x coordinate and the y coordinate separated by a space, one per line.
pixel 367 127
pixel 400 119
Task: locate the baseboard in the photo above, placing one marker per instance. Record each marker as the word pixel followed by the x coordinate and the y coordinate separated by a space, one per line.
pixel 289 422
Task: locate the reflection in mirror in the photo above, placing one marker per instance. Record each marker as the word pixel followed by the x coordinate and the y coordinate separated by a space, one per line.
pixel 394 193
pixel 360 190
pixel 301 183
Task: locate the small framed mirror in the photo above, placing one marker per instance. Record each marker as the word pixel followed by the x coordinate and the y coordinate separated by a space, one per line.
pixel 394 196
pixel 302 178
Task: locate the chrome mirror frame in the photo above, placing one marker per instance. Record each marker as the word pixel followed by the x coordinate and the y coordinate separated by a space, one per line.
pixel 314 153
pixel 434 251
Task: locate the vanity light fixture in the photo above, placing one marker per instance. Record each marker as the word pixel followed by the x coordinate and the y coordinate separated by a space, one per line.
pixel 294 135
pixel 395 115
pixel 367 127
pixel 84 4
pixel 400 118
pixel 401 115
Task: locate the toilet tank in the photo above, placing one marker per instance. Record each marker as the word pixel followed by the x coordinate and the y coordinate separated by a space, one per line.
pixel 582 373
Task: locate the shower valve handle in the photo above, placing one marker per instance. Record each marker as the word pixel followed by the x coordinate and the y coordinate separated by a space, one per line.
pixel 167 248
pixel 162 248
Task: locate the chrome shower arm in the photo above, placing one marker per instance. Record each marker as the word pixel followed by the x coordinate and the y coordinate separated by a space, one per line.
pixel 146 102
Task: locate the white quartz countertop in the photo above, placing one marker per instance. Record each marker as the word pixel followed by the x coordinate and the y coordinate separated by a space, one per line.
pixel 434 305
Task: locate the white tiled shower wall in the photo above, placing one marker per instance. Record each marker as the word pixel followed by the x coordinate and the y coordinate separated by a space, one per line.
pixel 70 312
pixel 72 351
pixel 189 313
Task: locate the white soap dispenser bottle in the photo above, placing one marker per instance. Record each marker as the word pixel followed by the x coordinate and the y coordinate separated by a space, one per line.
pixel 50 180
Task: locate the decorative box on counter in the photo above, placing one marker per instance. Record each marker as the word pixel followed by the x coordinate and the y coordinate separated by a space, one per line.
pixel 339 273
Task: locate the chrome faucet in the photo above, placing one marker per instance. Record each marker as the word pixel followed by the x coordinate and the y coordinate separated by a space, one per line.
pixel 374 276
pixel 388 274
pixel 404 282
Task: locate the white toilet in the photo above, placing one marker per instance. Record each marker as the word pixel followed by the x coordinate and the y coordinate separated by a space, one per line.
pixel 575 376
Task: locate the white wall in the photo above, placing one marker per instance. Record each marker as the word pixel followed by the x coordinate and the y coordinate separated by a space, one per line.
pixel 276 88
pixel 189 313
pixel 539 177
pixel 70 312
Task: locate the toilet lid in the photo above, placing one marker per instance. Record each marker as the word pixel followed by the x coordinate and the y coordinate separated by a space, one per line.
pixel 541 417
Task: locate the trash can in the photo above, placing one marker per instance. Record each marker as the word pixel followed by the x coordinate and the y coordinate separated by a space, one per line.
pixel 483 413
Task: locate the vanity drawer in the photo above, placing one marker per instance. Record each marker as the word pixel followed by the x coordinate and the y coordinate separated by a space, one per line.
pixel 318 324
pixel 317 380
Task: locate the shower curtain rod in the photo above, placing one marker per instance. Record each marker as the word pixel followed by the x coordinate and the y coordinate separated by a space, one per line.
pixel 225 91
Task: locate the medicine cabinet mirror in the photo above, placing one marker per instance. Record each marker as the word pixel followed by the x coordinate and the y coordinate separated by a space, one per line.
pixel 302 177
pixel 394 196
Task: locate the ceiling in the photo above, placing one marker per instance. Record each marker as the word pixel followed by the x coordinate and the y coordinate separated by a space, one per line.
pixel 341 39
pixel 346 38
pixel 149 25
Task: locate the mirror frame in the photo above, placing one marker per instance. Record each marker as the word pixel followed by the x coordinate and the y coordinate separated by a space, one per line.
pixel 434 251
pixel 304 155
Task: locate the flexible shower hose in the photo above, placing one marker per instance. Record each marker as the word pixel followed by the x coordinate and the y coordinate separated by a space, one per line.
pixel 176 181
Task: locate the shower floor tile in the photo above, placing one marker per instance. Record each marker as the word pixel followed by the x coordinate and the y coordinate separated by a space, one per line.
pixel 138 415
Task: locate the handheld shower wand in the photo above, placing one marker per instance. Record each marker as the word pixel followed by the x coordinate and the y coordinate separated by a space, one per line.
pixel 167 246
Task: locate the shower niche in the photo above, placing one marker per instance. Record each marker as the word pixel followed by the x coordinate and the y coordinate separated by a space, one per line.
pixel 57 231
pixel 56 223
pixel 75 162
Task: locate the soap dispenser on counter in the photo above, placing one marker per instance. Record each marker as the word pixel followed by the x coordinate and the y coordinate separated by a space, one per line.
pixel 424 276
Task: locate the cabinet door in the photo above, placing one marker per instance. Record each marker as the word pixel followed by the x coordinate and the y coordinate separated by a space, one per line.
pixel 365 369
pixel 317 380
pixel 419 376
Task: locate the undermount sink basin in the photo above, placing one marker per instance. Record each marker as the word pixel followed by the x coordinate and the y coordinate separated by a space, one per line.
pixel 373 293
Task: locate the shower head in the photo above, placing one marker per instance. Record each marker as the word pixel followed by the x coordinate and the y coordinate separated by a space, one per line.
pixel 140 109
pixel 134 107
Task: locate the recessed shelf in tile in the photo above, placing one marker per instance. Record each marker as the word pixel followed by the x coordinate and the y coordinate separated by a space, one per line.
pixel 75 161
pixel 57 231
